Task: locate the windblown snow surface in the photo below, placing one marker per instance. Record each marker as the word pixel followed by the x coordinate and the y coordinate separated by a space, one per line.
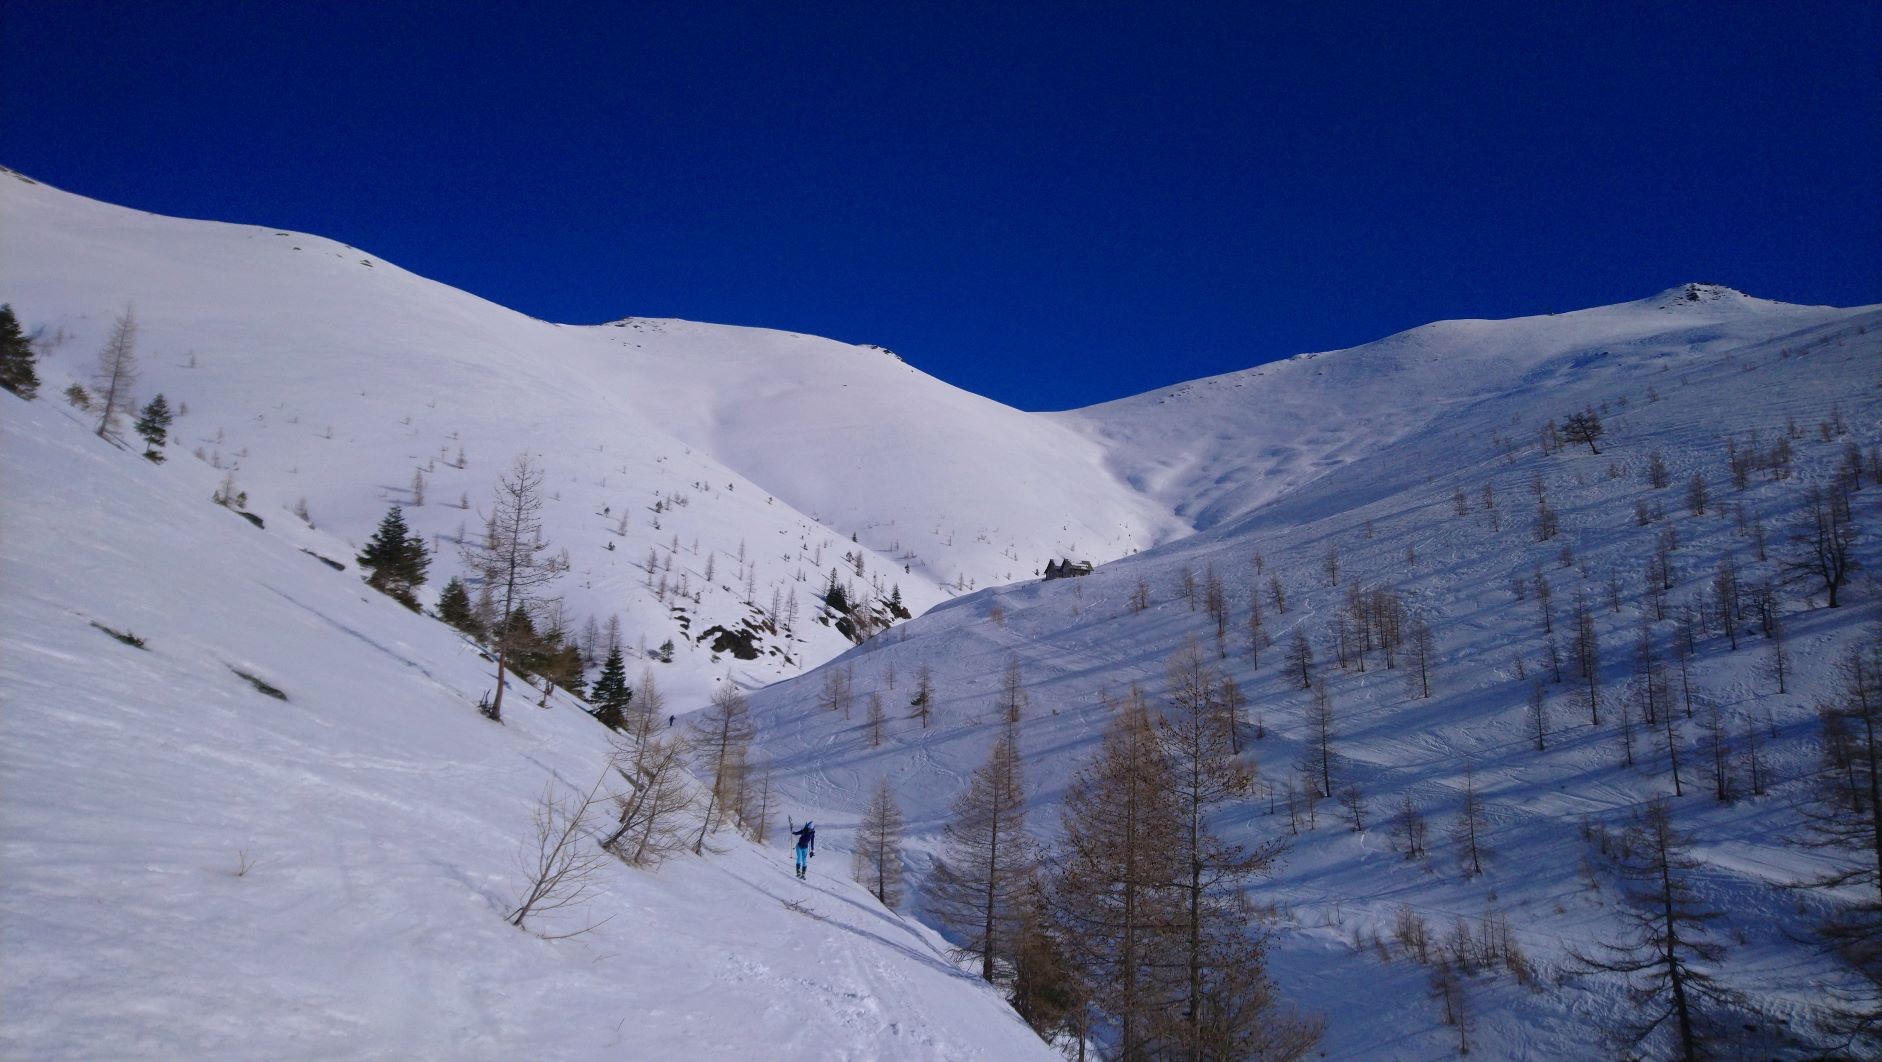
pixel 381 817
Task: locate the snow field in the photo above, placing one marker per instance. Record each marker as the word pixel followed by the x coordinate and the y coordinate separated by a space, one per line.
pixel 195 869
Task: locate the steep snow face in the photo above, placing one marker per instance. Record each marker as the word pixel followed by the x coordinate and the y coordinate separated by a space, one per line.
pixel 1666 375
pixel 748 463
pixel 1214 449
pixel 194 868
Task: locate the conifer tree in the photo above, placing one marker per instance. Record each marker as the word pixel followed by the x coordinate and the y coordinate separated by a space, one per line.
pixel 509 557
pixel 17 373
pixel 1668 953
pixel 652 816
pixel 1826 536
pixel 876 718
pixel 1215 599
pixel 526 646
pixel 1471 824
pixel 1231 702
pixel 1538 715
pixel 1410 832
pixel 153 424
pixel 1844 819
pixel 1114 873
pixel 395 559
pixel 923 701
pixel 878 854
pixel 1300 659
pixel 986 861
pixel 1220 953
pixel 1047 992
pixel 1257 631
pixel 1319 752
pixel 557 662
pixel 643 714
pixel 1423 649
pixel 117 371
pixel 454 607
pixel 754 810
pixel 610 697
pixel 835 695
pixel 1588 657
pixel 1584 427
pixel 1013 699
pixel 721 736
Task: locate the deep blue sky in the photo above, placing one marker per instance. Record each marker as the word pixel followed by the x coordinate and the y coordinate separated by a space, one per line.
pixel 1049 203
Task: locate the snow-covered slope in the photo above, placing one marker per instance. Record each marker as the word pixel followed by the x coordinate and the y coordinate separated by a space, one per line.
pixel 312 370
pixel 1409 421
pixel 194 869
pixel 1213 449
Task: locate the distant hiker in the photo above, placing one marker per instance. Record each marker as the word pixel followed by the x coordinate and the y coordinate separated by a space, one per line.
pixel 670 723
pixel 806 845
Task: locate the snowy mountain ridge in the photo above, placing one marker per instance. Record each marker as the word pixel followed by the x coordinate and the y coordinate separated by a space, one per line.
pixel 311 370
pixel 768 459
pixel 315 372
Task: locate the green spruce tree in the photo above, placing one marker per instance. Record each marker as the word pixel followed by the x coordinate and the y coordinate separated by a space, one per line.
pixel 525 645
pixel 454 607
pixel 395 559
pixel 610 696
pixel 153 423
pixel 16 358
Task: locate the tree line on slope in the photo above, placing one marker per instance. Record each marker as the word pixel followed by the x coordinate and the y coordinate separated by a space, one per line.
pixel 1724 602
pixel 1136 922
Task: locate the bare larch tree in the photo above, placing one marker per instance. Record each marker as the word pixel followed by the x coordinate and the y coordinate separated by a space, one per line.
pixel 116 373
pixel 1667 954
pixel 720 737
pixel 877 859
pixel 1844 818
pixel 510 559
pixel 1113 875
pixel 1012 700
pixel 1825 537
pixel 1221 955
pixel 987 859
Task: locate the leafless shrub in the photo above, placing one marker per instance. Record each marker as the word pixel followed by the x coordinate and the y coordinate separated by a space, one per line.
pixel 652 818
pixel 558 866
pixel 800 907
pixel 1412 933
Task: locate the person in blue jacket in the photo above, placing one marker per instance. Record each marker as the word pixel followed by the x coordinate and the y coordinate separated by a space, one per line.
pixel 806 845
